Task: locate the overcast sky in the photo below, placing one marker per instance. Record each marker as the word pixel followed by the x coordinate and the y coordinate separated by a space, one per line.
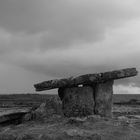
pixel 46 39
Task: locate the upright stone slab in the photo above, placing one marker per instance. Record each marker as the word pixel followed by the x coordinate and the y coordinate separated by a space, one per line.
pixel 77 101
pixel 103 99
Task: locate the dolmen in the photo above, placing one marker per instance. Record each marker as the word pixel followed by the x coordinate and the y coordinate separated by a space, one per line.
pixel 87 94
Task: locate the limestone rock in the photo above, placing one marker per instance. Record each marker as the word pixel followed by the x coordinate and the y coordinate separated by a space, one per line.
pixel 82 134
pixel 13 116
pixel 87 79
pixel 78 101
pixel 50 107
pixel 61 93
pixel 27 117
pixel 103 99
pixel 76 121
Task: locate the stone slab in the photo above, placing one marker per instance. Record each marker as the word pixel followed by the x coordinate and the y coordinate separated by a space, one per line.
pixel 78 101
pixel 103 99
pixel 87 79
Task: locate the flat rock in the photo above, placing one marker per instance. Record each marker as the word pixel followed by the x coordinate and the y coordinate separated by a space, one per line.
pixel 13 115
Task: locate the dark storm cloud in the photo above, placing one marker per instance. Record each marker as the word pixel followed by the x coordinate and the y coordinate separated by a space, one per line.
pixel 62 23
pixel 69 37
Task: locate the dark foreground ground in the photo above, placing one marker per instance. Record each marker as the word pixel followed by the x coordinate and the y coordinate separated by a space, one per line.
pixel 125 124
pixel 90 128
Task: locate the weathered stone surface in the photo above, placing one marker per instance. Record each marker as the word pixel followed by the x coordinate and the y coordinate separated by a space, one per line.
pixel 82 134
pixel 103 99
pixel 49 108
pixel 61 93
pixel 12 116
pixel 87 79
pixel 78 101
pixel 27 117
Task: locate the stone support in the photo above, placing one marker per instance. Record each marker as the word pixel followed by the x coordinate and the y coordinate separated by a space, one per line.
pixel 103 99
pixel 77 101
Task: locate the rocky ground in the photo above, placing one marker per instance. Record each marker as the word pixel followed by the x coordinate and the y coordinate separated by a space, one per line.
pixel 48 123
pixel 59 128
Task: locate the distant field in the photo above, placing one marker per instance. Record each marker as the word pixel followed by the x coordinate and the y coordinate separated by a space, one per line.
pixel 125 97
pixel 36 99
pixel 22 99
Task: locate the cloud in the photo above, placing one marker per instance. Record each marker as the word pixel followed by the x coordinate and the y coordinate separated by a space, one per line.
pixel 119 49
pixel 129 89
pixel 65 22
pixel 70 37
pixel 10 43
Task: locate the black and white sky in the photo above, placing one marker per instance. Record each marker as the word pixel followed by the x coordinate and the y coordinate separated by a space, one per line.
pixel 47 39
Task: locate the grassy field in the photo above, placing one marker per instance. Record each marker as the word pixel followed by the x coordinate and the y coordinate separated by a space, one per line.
pixel 125 97
pixel 35 99
pixel 125 124
pixel 22 99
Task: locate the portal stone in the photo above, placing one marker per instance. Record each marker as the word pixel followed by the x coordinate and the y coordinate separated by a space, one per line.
pixel 103 98
pixel 77 101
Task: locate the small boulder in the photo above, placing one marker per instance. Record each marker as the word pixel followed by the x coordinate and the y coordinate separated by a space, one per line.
pixel 51 107
pixel 82 134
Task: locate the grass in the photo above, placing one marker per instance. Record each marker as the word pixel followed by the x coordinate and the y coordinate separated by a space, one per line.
pixel 24 100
